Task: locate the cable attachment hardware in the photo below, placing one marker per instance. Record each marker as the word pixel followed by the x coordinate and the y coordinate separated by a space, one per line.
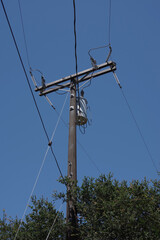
pixel 117 80
pixel 49 101
pixel 50 143
pixel 70 164
pixel 71 108
pixel 93 62
pixel 110 52
pixel 71 174
pixel 33 79
pixel 43 82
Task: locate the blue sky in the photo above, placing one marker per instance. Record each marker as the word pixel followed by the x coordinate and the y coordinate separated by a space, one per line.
pixel 112 141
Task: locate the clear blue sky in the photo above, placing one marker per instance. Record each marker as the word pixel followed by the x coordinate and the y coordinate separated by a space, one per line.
pixel 112 141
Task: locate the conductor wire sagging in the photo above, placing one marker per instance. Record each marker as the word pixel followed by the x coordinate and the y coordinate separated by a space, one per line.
pixel 93 61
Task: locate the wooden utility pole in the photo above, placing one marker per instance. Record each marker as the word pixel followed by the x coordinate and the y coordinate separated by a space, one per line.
pixel 71 213
pixel 71 82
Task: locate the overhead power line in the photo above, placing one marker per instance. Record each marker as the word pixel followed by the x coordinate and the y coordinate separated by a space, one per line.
pixel 75 36
pixel 40 170
pixel 24 36
pixel 24 70
pixel 136 123
pixel 75 44
pixel 109 22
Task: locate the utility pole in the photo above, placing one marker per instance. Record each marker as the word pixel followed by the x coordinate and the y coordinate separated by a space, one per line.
pixel 71 82
pixel 71 213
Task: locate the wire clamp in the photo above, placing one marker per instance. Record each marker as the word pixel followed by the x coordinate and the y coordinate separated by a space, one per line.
pixel 50 143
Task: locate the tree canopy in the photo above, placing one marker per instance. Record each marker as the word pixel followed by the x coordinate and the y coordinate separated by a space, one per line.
pixel 112 210
pixel 107 210
pixel 37 224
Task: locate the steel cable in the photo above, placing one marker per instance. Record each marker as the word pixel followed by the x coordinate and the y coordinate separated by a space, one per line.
pixel 44 159
pixel 24 36
pixel 136 123
pixel 109 23
pixel 75 45
pixel 43 125
pixel 82 147
pixel 34 186
pixel 53 222
pixel 75 36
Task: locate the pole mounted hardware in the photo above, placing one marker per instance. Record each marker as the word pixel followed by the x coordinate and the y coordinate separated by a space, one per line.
pixel 72 82
pixel 85 75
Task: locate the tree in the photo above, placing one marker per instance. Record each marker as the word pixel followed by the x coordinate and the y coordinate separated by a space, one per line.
pixel 37 224
pixel 112 210
pixel 107 210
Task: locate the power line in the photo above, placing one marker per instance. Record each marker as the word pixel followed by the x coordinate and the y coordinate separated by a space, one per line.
pixel 136 123
pixel 82 147
pixel 24 36
pixel 109 22
pixel 75 44
pixel 75 36
pixel 89 157
pixel 24 68
pixel 20 58
pixel 127 103
pixel 40 170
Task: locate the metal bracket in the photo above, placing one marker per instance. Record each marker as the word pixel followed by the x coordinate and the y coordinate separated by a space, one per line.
pixel 86 74
pixel 71 108
pixel 50 143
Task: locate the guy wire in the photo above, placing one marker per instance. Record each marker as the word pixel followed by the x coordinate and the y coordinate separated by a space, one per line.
pixel 82 147
pixel 54 222
pixel 40 170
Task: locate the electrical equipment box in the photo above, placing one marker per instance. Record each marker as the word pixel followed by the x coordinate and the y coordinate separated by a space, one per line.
pixel 81 111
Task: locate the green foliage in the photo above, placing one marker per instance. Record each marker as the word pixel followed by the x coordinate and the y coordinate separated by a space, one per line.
pixel 107 210
pixel 37 224
pixel 111 210
pixel 40 220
